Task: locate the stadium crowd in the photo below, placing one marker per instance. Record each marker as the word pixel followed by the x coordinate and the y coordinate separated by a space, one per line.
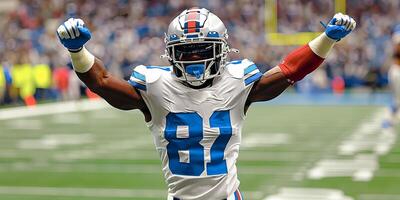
pixel 34 65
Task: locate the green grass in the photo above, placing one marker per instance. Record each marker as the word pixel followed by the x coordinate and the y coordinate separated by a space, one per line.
pixel 119 153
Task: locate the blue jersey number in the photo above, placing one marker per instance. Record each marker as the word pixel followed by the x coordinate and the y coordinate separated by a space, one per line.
pixel 191 144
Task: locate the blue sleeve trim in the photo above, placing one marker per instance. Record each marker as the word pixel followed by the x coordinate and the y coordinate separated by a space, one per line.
pixel 235 62
pixel 250 69
pixel 159 67
pixel 139 76
pixel 253 78
pixel 138 80
pixel 137 85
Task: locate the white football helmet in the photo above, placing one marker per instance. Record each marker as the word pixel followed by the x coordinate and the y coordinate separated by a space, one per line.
pixel 196 46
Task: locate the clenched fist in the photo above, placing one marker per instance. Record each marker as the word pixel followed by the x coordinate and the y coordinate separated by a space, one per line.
pixel 73 34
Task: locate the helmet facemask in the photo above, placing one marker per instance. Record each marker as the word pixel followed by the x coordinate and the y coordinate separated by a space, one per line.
pixel 197 61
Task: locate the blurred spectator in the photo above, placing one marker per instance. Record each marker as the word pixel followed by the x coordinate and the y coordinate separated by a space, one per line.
pixel 42 81
pixel 61 76
pixel 130 32
pixel 5 82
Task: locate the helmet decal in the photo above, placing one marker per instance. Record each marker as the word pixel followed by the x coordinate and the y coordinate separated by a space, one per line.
pixel 192 23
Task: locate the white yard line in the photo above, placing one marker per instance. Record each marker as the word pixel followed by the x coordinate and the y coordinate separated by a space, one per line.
pixel 96 192
pixel 361 167
pixel 81 167
pixel 24 124
pixel 132 154
pixel 369 136
pixel 43 166
pixel 52 108
pixel 139 153
pixel 367 126
pixel 83 192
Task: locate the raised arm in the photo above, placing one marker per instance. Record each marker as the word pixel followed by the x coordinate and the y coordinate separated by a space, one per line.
pixel 301 61
pixel 117 92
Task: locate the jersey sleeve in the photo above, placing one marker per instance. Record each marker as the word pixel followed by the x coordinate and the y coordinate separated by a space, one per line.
pixel 245 70
pixel 251 74
pixel 138 78
pixel 143 77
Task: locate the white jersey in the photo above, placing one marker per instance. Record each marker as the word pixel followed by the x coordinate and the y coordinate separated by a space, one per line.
pixel 197 132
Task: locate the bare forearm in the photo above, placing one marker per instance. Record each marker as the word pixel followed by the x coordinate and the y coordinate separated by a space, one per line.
pixel 271 87
pixel 293 68
pixel 118 92
pixel 94 78
pixel 115 91
pixel 278 83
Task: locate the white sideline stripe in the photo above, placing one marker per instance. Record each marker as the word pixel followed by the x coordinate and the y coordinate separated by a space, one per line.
pixel 82 192
pixel 52 108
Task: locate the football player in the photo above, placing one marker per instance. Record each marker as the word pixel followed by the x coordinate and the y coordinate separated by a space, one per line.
pixel 394 74
pixel 195 108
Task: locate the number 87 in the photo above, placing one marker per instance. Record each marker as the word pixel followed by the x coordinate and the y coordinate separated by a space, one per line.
pixel 194 122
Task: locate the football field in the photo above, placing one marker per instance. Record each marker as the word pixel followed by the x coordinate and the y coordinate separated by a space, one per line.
pixel 288 152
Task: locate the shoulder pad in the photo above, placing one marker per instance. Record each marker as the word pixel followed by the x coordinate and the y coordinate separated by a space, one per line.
pixel 244 69
pixel 237 67
pixel 143 75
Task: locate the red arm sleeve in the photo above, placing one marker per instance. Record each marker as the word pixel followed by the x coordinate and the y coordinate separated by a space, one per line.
pixel 299 63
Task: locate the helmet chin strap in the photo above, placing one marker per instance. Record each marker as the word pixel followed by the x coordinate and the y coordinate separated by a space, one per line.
pixel 194 74
pixel 196 83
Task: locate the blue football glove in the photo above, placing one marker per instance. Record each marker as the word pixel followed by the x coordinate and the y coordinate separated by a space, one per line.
pixel 73 34
pixel 340 26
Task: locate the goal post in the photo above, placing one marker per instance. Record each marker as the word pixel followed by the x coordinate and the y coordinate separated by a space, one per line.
pixel 274 37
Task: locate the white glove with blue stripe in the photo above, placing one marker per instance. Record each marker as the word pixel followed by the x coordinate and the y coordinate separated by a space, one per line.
pixel 73 34
pixel 340 26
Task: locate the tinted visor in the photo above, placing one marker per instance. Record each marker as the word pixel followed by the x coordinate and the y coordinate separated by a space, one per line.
pixel 196 51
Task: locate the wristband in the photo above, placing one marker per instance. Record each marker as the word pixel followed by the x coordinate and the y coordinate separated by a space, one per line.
pixel 321 45
pixel 82 60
